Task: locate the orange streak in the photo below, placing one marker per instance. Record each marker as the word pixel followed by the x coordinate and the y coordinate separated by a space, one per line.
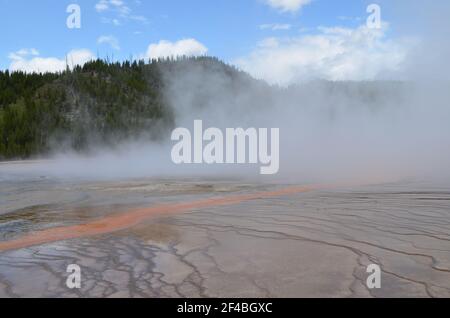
pixel 119 222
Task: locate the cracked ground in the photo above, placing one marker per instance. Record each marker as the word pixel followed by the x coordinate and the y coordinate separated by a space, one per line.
pixel 310 244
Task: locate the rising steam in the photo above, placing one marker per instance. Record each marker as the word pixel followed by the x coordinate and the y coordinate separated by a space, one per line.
pixel 330 131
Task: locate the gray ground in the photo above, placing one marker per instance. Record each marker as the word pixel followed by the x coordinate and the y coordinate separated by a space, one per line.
pixel 315 244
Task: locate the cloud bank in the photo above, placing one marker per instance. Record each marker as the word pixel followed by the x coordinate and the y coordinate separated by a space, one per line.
pixel 30 61
pixel 185 47
pixel 333 53
pixel 110 40
pixel 288 5
pixel 121 11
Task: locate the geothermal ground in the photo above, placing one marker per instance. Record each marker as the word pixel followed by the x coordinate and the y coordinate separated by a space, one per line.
pixel 221 238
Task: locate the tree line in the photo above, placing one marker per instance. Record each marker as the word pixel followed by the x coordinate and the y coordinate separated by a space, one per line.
pixel 97 103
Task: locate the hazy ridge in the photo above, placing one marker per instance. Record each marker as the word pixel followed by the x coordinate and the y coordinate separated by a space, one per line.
pixel 103 104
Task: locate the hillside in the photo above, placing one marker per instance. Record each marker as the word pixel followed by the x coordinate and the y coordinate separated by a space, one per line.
pixel 100 103
pixel 107 104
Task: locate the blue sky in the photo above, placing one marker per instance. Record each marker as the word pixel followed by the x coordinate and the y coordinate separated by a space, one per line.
pixel 230 29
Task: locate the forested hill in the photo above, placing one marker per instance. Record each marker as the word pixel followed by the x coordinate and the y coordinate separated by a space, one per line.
pixel 99 103
pixel 107 104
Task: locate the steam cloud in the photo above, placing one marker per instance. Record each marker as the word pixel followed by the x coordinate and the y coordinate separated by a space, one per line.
pixel 330 132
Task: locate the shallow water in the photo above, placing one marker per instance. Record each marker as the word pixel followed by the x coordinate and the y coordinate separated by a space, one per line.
pixel 312 244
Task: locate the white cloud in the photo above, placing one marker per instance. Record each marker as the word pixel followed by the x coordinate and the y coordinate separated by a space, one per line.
pixel 121 10
pixel 22 53
pixel 102 5
pixel 110 40
pixel 275 26
pixel 34 63
pixel 117 3
pixel 188 47
pixel 332 54
pixel 288 5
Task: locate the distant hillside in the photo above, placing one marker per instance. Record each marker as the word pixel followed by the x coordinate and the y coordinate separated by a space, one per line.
pixel 100 103
pixel 107 104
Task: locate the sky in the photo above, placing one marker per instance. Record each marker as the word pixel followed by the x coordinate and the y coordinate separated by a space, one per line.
pixel 281 41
